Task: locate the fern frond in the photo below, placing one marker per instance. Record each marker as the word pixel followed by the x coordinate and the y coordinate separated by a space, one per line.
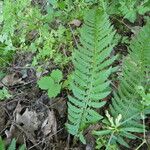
pixel 127 102
pixel 92 68
pixel 2 145
pixel 12 145
pixel 135 72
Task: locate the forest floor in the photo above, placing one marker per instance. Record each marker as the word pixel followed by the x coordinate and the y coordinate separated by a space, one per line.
pixel 30 116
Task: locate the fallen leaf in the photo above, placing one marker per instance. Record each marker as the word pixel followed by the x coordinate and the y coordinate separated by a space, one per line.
pixel 75 22
pixel 11 80
pixel 49 126
pixel 29 119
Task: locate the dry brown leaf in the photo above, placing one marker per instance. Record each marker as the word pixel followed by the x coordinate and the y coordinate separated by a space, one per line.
pixel 49 126
pixel 29 119
pixel 75 22
pixel 60 105
pixel 9 133
pixel 11 80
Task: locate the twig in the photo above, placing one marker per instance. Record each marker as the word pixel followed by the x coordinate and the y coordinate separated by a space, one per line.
pixel 17 67
pixel 44 139
pixel 73 36
pixel 144 135
pixel 122 22
pixel 68 141
pixel 144 141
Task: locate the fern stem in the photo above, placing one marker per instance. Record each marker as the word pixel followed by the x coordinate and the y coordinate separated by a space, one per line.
pixel 111 136
pixel 73 36
pixel 144 141
pixel 122 22
pixel 143 118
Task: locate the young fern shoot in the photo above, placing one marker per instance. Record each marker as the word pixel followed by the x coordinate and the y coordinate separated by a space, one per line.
pixel 92 64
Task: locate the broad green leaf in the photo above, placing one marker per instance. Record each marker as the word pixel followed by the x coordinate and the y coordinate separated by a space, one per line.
pixel 54 90
pixel 57 75
pixel 45 83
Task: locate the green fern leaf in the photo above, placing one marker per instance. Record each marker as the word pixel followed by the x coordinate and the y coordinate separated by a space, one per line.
pixel 12 145
pixel 127 101
pixel 2 145
pixel 57 75
pixel 92 68
pixel 22 147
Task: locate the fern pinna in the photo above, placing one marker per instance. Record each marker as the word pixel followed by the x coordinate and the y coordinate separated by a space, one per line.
pixel 92 68
pixel 128 106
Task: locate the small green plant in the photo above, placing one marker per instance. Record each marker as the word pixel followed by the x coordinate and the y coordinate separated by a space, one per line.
pixel 24 27
pixel 51 83
pixel 6 54
pixel 118 131
pixel 129 9
pixel 100 142
pixel 4 94
pixel 145 96
pixel 12 145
